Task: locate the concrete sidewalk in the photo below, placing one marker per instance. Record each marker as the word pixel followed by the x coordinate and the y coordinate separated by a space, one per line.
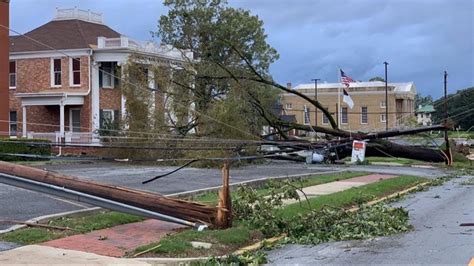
pixel 337 186
pixel 101 246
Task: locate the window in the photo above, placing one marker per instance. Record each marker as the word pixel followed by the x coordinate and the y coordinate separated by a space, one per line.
pixel 383 104
pixel 306 115
pixel 56 72
pixel 75 78
pixel 344 118
pixel 383 118
pixel 12 75
pixel 109 119
pixel 288 106
pixel 107 74
pixel 13 123
pixel 325 119
pixel 364 119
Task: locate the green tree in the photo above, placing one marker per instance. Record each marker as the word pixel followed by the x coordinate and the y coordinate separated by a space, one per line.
pixel 422 100
pixel 460 109
pixel 377 79
pixel 223 41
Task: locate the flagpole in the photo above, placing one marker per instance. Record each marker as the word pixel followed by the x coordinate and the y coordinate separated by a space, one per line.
pixel 339 98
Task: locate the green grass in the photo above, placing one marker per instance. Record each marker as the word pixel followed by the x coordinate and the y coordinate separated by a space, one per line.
pixel 179 244
pixel 403 161
pixel 80 225
pixel 353 196
pixel 211 198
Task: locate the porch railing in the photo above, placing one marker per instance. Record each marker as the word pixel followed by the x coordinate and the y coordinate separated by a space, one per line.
pixel 69 137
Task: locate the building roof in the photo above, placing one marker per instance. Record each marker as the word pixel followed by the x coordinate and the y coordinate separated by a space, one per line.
pixel 62 34
pixel 426 109
pixel 401 87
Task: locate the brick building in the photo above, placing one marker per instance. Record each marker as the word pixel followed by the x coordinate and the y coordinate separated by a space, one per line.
pixel 64 76
pixel 368 113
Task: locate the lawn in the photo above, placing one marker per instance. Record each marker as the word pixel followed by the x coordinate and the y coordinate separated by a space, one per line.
pixel 353 196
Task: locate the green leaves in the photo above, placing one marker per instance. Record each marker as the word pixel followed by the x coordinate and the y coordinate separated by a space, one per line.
pixel 326 224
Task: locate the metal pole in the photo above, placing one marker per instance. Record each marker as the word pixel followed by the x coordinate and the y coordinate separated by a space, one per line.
pixel 316 99
pixel 386 97
pixel 446 139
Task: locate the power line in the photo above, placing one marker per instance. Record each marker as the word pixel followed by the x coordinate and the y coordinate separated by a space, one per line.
pixel 126 81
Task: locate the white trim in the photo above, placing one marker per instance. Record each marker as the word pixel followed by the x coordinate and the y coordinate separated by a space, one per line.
pixel 322 119
pixel 16 74
pixel 49 53
pixel 347 116
pixel 70 118
pixel 111 73
pixel 381 118
pixel 382 105
pixel 108 110
pixel 367 114
pixel 351 93
pixel 306 110
pixel 52 72
pixel 71 78
pixel 10 123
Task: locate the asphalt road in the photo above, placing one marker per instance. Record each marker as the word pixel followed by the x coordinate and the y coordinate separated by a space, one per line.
pixel 20 204
pixel 437 237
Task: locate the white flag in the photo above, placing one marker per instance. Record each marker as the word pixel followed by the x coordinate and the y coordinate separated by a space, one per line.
pixel 347 99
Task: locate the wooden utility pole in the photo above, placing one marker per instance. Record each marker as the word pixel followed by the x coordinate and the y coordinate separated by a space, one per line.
pixel 224 208
pixel 187 210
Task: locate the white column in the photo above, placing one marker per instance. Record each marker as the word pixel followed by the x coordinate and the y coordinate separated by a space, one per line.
pixel 61 119
pixel 24 122
pixel 151 85
pixel 95 105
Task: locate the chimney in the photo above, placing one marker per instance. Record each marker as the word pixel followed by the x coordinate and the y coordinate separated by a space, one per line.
pixel 288 85
pixel 4 67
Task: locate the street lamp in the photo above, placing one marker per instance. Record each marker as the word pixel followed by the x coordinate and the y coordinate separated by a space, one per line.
pixel 386 97
pixel 315 98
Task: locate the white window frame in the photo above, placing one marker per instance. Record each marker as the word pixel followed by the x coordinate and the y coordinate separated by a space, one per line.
pixel 52 72
pixel 70 118
pixel 383 104
pixel 342 116
pixel 112 76
pixel 288 106
pixel 9 74
pixel 362 113
pixel 306 111
pixel 382 119
pixel 11 122
pixel 71 76
pixel 322 119
pixel 108 110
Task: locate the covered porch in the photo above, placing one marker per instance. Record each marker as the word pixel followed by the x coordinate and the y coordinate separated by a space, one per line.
pixel 55 116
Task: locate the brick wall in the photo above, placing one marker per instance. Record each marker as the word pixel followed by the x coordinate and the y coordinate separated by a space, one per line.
pixel 4 68
pixel 370 100
pixel 34 75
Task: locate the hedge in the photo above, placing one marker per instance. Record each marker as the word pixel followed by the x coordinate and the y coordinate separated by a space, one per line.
pixel 23 146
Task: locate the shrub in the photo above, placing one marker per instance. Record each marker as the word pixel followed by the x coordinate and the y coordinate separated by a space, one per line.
pixel 24 146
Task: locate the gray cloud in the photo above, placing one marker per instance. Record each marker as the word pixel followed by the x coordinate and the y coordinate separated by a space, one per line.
pixel 419 38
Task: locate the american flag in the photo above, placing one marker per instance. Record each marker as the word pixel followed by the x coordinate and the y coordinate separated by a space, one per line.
pixel 346 79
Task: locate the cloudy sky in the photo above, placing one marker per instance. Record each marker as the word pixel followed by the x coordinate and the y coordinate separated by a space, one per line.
pixel 419 38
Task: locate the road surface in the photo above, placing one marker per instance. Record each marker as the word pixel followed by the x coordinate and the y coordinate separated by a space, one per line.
pixel 437 237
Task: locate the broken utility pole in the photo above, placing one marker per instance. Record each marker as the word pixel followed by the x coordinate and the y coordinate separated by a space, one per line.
pixel 224 211
pixel 186 210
